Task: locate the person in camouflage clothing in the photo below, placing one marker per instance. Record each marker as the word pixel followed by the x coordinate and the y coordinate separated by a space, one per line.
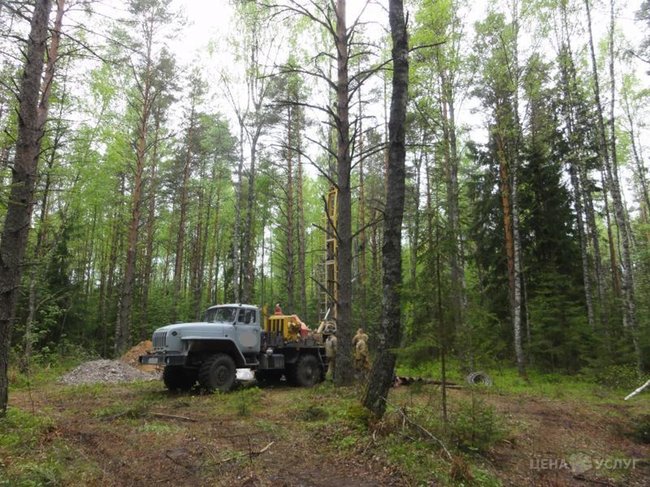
pixel 330 353
pixel 360 346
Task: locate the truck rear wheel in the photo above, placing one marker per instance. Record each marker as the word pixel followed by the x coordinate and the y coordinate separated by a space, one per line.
pixel 178 378
pixel 218 372
pixel 307 372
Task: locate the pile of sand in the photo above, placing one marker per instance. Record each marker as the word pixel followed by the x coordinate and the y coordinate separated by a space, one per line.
pixel 131 356
pixel 105 371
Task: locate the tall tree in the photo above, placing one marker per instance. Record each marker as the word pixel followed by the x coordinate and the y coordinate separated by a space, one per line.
pixel 48 82
pixel 150 16
pixel 257 49
pixel 31 120
pixel 501 72
pixel 609 159
pixel 381 375
pixel 187 161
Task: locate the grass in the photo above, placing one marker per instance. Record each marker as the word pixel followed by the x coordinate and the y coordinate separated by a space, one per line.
pixel 159 428
pixel 42 372
pixel 22 429
pixel 611 384
pixel 28 459
pixel 226 428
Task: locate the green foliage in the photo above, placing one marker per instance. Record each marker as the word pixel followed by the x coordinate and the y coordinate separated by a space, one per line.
pixel 559 329
pixel 313 413
pixel 358 416
pixel 247 400
pixel 623 376
pixel 475 426
pixel 416 458
pixel 47 365
pixel 129 410
pixel 22 430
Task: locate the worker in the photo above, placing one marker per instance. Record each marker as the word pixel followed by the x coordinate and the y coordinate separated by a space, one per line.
pixel 278 310
pixel 361 335
pixel 360 345
pixel 330 353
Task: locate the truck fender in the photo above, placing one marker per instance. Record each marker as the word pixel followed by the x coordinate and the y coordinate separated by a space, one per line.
pixel 209 346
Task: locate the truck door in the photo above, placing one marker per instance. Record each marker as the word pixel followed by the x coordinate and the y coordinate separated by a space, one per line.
pixel 248 330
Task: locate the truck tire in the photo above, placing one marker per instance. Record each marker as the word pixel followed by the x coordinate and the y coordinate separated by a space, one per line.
pixel 307 372
pixel 178 378
pixel 218 372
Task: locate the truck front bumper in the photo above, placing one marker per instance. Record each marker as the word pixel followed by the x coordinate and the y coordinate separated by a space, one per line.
pixel 162 359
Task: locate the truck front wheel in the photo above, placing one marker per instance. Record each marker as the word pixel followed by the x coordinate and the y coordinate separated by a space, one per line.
pixel 218 372
pixel 178 378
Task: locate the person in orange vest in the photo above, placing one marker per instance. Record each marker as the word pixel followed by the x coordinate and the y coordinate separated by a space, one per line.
pixel 278 310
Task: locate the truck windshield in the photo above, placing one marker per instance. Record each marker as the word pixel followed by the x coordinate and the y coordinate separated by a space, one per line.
pixel 221 315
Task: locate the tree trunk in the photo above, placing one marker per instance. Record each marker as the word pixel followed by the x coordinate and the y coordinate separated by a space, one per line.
pixel 344 203
pixel 52 59
pixel 509 236
pixel 638 160
pixel 124 315
pixel 381 375
pixel 361 242
pixel 627 272
pixel 302 245
pixel 594 237
pixel 237 224
pixel 518 277
pixel 150 229
pixel 289 229
pixel 32 115
pixel 611 171
pixel 586 274
pixel 451 159
pixel 568 84
pixel 183 203
pixel 41 239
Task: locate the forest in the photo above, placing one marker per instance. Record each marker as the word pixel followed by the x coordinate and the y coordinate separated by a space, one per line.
pixel 161 183
pixel 464 180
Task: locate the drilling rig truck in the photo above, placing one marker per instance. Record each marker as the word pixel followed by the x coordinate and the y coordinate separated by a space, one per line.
pixel 233 336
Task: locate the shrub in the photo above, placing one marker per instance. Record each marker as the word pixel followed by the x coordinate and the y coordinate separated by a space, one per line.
pixel 475 426
pixel 617 376
pixel 246 400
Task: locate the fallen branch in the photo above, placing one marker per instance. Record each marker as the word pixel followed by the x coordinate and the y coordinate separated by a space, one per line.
pixel 264 449
pixel 173 416
pixel 177 462
pixel 407 381
pixel 242 455
pixel 634 393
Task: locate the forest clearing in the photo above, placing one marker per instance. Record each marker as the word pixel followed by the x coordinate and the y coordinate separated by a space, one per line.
pixel 553 432
pixel 324 193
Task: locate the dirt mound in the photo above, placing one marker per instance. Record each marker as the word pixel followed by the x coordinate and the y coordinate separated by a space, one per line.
pixel 131 356
pixel 104 371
